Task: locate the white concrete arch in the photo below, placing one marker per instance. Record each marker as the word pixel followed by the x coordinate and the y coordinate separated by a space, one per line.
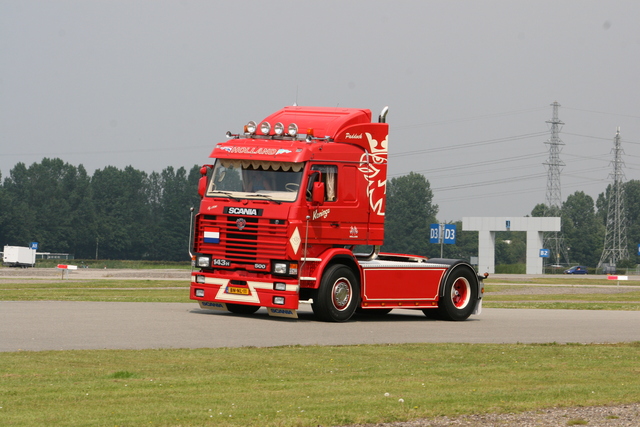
pixel 487 227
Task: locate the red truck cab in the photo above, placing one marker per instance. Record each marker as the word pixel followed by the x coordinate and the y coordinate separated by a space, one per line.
pixel 283 208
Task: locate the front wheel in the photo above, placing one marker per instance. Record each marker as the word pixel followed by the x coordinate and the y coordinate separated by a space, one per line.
pixel 460 295
pixel 338 295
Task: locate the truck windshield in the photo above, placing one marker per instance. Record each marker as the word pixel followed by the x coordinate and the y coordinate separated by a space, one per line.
pixel 242 179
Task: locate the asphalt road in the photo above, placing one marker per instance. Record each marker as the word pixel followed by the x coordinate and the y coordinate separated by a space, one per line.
pixel 58 325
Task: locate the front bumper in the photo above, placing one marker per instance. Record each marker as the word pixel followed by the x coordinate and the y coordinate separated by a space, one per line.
pixel 230 288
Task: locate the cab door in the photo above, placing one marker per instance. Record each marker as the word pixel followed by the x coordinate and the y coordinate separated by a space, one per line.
pixel 342 218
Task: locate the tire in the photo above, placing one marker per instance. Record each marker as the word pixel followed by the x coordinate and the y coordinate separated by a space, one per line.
pixel 242 309
pixel 338 295
pixel 460 296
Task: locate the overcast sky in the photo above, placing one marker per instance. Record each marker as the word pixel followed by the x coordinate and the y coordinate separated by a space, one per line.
pixel 469 85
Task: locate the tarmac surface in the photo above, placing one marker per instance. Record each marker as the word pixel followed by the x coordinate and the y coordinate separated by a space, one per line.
pixel 64 325
pixel 60 325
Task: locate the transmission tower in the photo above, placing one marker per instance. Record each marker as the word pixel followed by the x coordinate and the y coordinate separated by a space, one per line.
pixel 615 239
pixel 554 241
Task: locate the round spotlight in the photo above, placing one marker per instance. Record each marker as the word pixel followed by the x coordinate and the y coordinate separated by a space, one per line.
pixel 278 128
pixel 265 128
pixel 250 128
pixel 292 130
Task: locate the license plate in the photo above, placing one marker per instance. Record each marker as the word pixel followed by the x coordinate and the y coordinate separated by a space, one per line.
pixel 238 291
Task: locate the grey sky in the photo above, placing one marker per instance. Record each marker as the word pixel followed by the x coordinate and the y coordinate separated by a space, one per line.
pixel 469 85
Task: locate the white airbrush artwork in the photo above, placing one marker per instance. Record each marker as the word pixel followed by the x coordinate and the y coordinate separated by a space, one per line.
pixel 371 165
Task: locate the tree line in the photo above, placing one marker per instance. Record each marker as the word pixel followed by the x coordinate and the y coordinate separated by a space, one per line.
pixel 113 214
pixel 129 214
pixel 410 211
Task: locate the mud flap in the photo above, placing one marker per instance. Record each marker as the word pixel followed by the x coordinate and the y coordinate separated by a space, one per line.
pixel 282 312
pixel 208 305
pixel 478 309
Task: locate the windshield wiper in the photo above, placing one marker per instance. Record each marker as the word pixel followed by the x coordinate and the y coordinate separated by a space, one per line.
pixel 266 196
pixel 226 193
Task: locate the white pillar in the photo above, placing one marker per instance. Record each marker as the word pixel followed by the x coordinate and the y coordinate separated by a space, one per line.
pixel 534 244
pixel 486 251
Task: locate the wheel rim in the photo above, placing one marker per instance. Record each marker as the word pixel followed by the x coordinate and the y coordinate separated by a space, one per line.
pixel 341 294
pixel 460 292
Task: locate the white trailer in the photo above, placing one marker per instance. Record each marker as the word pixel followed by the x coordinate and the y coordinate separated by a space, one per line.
pixel 19 256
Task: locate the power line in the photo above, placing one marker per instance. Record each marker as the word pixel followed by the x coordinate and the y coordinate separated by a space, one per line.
pixel 467 119
pixel 603 112
pixel 468 144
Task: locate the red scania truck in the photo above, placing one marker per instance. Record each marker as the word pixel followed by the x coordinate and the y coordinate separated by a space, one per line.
pixel 284 207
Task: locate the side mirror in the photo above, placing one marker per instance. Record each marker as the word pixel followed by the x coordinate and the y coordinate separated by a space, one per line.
pixel 202 186
pixel 317 195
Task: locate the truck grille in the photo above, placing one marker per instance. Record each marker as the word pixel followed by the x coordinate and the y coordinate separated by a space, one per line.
pixel 259 240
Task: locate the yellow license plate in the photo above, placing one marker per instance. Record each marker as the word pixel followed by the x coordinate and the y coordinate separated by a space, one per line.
pixel 238 291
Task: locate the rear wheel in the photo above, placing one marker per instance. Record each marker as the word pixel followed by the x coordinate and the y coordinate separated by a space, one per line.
pixel 242 309
pixel 338 295
pixel 460 296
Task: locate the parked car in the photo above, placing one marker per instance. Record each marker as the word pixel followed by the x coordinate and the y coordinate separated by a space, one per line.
pixel 578 269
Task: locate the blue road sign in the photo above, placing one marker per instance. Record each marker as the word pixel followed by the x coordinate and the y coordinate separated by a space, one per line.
pixel 434 233
pixel 450 234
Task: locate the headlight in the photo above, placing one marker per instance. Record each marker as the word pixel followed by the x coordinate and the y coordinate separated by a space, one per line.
pixel 286 268
pixel 199 279
pixel 200 293
pixel 280 268
pixel 278 128
pixel 204 261
pixel 279 286
pixel 265 128
pixel 278 300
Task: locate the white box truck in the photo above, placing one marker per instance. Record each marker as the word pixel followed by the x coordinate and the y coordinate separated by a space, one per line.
pixel 19 256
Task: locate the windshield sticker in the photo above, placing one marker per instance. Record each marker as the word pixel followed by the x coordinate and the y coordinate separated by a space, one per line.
pixel 255 150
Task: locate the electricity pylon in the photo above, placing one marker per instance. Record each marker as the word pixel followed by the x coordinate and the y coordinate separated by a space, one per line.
pixel 615 239
pixel 554 240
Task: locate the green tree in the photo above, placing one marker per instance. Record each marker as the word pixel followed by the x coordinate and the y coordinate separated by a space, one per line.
pixel 583 231
pixel 121 200
pixel 632 209
pixel 409 213
pixel 466 245
pixel 48 203
pixel 177 197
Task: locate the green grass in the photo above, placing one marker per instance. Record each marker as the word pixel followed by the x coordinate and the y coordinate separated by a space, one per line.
pixel 309 386
pixel 628 299
pixel 143 290
pixel 565 280
pixel 50 263
pixel 96 290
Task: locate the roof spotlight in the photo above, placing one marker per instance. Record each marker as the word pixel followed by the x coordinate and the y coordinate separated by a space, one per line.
pixel 265 128
pixel 250 128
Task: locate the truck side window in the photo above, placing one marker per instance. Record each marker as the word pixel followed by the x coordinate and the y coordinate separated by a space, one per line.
pixel 329 175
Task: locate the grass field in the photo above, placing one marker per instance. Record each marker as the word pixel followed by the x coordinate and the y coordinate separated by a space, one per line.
pixel 308 386
pixel 595 295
